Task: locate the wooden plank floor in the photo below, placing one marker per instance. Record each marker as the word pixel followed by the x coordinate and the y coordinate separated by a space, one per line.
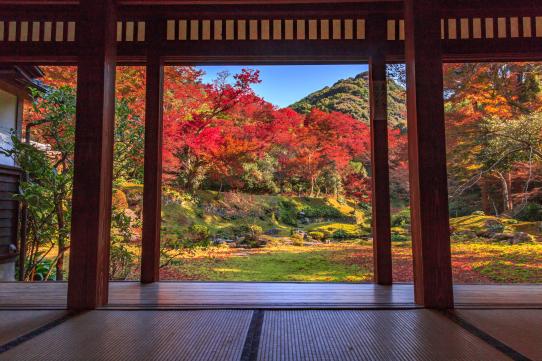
pixel 179 295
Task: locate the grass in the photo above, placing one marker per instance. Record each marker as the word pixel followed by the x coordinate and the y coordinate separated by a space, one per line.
pixel 473 262
pixel 476 223
pixel 501 262
pixel 474 259
pixel 279 262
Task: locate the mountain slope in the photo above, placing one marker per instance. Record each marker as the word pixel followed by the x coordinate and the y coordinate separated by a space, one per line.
pixel 351 96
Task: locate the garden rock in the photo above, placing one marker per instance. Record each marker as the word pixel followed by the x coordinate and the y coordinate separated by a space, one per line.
pixel 503 236
pixel 466 234
pixel 491 227
pixel 272 232
pixel 223 241
pixel 131 214
pixel 521 237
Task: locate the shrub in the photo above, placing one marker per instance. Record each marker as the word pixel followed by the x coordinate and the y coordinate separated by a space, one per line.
pixel 401 219
pixel 43 270
pixel 121 261
pixel 297 239
pixel 322 211
pixel 396 237
pixel 532 212
pixel 317 235
pixel 365 207
pixel 288 212
pixel 199 235
pixel 225 233
pixel 119 200
pixel 340 234
pixel 253 232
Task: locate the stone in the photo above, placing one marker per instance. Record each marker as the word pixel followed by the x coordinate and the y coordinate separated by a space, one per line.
pixel 466 234
pixel 503 236
pixel 491 227
pixel 494 226
pixel 272 232
pixel 521 237
pixel 131 214
pixel 223 241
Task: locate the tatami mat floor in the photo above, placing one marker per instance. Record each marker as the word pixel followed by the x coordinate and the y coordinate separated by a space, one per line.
pixel 273 335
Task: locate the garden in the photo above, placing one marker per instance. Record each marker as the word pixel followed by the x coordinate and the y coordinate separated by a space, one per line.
pixel 256 192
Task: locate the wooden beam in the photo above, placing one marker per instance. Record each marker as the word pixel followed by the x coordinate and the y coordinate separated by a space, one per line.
pixel 427 156
pixel 152 190
pixel 91 204
pixel 378 94
pixel 236 51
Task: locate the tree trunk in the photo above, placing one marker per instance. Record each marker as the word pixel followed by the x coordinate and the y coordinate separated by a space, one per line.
pixel 61 242
pixel 510 199
pixel 484 189
pixel 505 192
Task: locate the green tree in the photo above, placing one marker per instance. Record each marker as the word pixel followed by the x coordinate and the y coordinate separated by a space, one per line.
pixel 46 157
pixel 507 143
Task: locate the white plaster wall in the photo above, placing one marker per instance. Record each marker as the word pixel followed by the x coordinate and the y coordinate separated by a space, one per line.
pixel 8 121
pixel 7 272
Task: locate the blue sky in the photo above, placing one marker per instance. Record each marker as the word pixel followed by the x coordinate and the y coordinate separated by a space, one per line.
pixel 283 85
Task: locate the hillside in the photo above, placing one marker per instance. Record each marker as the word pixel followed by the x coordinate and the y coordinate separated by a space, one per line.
pixel 351 96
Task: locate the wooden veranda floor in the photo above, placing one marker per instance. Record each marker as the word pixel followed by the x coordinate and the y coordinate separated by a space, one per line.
pixel 250 295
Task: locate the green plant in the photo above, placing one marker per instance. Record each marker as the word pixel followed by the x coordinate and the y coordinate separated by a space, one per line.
pixel 250 232
pixel 531 212
pixel 401 218
pixel 396 237
pixel 288 212
pixel 253 232
pixel 340 234
pixel 199 235
pixel 297 239
pixel 317 235
pixel 46 192
pixel 321 211
pixel 365 207
pixel 42 270
pixel 121 259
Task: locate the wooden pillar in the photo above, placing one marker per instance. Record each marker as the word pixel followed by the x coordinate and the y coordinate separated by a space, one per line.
pixel 380 171
pixel 378 95
pixel 152 190
pixel 427 155
pixel 91 203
